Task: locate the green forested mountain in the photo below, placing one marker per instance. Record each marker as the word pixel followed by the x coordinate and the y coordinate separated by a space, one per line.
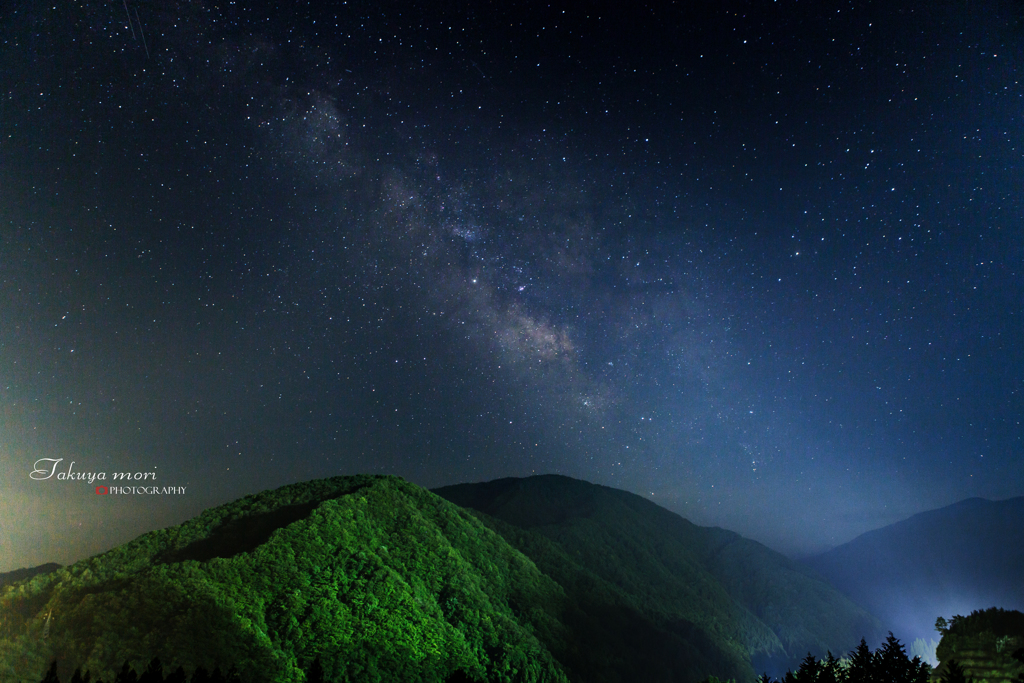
pixel 753 601
pixel 381 580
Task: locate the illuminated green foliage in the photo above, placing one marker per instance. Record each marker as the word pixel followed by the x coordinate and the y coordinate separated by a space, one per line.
pixel 378 578
pixel 985 645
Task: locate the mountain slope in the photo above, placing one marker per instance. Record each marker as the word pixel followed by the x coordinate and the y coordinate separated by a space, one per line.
pixel 380 579
pixel 733 590
pixel 952 560
pixel 26 573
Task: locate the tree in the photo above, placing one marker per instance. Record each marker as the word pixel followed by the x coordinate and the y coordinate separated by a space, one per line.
pixel 808 671
pixel 889 664
pixel 51 674
pixel 831 671
pixel 154 673
pixel 862 664
pixel 127 674
pixel 894 665
pixel 955 673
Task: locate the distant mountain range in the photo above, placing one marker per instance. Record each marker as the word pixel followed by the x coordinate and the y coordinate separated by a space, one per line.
pixel 954 560
pixel 540 579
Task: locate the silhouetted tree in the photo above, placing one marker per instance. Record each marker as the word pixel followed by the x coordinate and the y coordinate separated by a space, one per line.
pixel 862 664
pixel 176 676
pixel 77 677
pixel 200 675
pixel 831 671
pixel 892 660
pixel 893 664
pixel 154 673
pixel 51 674
pixel 127 674
pixel 808 671
pixel 888 665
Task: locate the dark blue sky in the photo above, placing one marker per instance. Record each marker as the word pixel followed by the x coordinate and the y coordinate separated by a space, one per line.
pixel 760 262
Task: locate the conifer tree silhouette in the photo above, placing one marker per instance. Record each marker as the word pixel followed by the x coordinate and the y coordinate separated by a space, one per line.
pixel 831 671
pixel 889 664
pixel 51 674
pixel 127 674
pixel 808 671
pixel 154 673
pixel 862 664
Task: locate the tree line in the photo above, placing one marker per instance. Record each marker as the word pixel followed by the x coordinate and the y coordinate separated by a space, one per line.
pixel 888 664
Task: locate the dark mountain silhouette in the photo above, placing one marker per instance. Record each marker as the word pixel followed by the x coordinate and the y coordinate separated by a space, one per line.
pixel 735 590
pixel 26 573
pixel 953 560
pixel 372 578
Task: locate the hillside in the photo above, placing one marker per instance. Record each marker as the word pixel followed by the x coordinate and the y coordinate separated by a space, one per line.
pixel 379 579
pixel 953 560
pixel 26 573
pixel 756 602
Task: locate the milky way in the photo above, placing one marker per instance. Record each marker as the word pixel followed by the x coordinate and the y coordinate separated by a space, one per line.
pixel 757 262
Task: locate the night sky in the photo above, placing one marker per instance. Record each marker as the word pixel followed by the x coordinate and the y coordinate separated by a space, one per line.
pixel 759 262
